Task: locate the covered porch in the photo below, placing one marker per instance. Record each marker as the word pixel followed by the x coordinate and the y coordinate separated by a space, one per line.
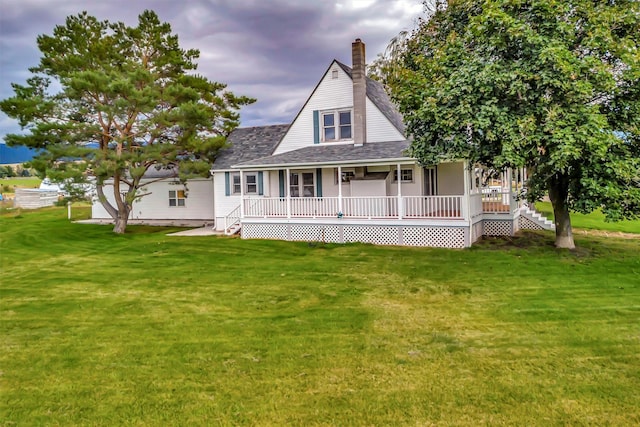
pixel 449 192
pixel 372 193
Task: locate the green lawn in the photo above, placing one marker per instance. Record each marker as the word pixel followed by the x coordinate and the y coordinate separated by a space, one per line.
pixel 148 329
pixel 592 221
pixel 12 183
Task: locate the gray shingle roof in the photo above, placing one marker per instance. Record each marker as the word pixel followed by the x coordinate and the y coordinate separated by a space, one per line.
pixel 164 172
pixel 333 154
pixel 377 95
pixel 249 144
pixel 168 172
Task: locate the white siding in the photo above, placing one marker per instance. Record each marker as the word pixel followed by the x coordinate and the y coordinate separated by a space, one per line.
pixel 224 204
pixel 330 94
pixel 155 205
pixel 379 128
pixel 408 188
pixel 334 94
pixel 329 186
pixel 451 179
pixel 369 187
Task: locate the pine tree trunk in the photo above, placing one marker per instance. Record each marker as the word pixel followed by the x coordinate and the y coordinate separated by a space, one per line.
pixel 558 194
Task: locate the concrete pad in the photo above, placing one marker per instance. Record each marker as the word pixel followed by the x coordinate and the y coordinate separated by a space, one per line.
pixel 187 223
pixel 202 231
pixel 204 228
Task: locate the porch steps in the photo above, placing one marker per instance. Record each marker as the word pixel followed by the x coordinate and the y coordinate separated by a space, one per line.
pixel 536 218
pixel 234 229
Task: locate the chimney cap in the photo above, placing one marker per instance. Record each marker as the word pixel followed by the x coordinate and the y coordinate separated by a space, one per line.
pixel 358 40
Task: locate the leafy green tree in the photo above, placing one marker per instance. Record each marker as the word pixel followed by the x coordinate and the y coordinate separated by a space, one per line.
pixel 551 85
pixel 132 90
pixel 7 171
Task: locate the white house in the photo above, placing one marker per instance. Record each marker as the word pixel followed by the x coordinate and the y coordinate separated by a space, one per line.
pixel 165 199
pixel 340 173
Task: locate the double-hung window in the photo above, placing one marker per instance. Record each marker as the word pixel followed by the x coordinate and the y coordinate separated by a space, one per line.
pixel 236 183
pixel 302 184
pixel 250 183
pixel 406 175
pixel 336 125
pixel 176 198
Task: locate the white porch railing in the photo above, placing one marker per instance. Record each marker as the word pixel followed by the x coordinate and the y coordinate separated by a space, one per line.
pixel 370 207
pixel 499 202
pixel 269 207
pixel 437 207
pixel 445 207
pixel 265 207
pixel 314 206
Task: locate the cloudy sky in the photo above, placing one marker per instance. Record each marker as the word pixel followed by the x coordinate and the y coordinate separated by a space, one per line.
pixel 272 50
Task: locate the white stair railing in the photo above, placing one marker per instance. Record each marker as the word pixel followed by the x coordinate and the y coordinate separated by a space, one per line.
pixel 231 219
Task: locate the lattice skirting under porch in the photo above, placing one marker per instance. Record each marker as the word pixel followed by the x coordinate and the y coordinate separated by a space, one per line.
pixel 434 236
pixel 498 227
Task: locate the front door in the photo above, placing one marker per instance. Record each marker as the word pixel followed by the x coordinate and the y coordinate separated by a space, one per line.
pixel 302 184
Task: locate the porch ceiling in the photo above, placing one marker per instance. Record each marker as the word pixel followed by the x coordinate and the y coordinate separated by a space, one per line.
pixel 333 155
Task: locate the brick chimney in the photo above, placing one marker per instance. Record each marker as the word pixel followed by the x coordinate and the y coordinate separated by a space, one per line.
pixel 358 75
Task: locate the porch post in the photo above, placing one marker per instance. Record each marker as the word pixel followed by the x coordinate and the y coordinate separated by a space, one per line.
pixel 241 194
pixel 474 185
pixel 513 188
pixel 400 213
pixel 340 190
pixel 506 186
pixel 466 202
pixel 288 172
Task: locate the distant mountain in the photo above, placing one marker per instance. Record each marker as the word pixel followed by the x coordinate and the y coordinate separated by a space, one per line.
pixel 11 155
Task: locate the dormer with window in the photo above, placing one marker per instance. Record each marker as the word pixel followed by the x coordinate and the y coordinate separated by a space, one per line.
pixel 336 113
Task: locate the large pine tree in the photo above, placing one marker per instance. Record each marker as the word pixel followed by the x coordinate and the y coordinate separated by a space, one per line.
pixel 131 90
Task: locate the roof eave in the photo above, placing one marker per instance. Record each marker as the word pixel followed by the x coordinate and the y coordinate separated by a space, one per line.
pixel 360 162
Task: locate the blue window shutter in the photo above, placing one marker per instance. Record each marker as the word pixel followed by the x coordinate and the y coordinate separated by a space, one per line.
pixel 227 187
pixel 260 184
pixel 316 127
pixel 318 182
pixel 281 182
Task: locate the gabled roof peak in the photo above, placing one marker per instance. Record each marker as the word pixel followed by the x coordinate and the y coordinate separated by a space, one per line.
pixel 378 95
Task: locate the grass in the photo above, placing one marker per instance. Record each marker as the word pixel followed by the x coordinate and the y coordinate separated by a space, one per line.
pixel 592 221
pixel 149 329
pixel 11 184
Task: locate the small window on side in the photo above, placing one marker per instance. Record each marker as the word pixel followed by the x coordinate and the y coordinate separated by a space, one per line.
pixel 406 175
pixel 177 198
